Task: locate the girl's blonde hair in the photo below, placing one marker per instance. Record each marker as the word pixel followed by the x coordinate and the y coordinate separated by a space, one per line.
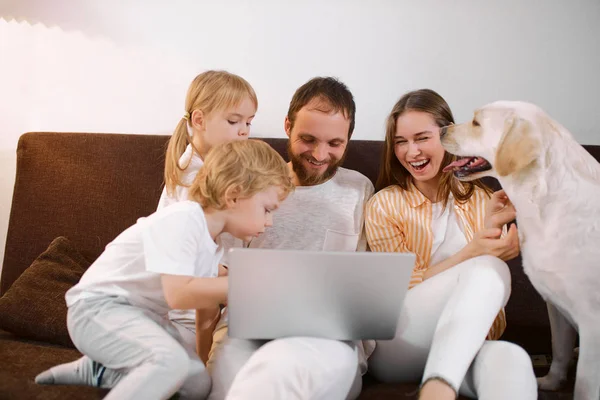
pixel 210 91
pixel 393 173
pixel 241 169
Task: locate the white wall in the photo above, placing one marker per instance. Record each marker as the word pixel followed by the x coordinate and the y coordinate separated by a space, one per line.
pixel 124 65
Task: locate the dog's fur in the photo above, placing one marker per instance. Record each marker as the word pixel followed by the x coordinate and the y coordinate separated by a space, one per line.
pixel 554 184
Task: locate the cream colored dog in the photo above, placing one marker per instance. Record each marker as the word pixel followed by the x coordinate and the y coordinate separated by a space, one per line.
pixel 554 184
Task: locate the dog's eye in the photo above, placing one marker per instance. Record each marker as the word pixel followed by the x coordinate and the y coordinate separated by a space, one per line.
pixel 475 123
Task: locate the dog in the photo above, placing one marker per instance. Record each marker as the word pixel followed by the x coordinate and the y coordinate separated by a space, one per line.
pixel 554 185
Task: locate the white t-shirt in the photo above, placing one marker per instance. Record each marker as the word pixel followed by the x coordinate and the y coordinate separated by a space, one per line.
pixel 174 240
pixel 448 236
pixel 181 192
pixel 192 163
pixel 329 217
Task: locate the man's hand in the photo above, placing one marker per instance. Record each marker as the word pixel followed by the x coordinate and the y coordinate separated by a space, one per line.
pixel 499 211
pixel 223 271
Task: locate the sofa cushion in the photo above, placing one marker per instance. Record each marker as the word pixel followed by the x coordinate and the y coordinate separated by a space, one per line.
pixel 34 307
pixel 23 359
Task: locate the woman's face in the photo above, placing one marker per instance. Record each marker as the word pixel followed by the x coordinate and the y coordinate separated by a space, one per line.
pixel 417 146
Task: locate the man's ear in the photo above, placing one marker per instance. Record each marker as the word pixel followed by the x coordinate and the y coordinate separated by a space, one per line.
pixel 287 125
pixel 517 148
pixel 197 120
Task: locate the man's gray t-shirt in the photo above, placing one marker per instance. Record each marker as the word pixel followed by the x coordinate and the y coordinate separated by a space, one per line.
pixel 329 216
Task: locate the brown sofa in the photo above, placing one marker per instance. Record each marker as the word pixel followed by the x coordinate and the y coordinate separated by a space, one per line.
pixel 90 187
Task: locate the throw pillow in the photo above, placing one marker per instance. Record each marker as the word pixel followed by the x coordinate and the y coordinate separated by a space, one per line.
pixel 34 307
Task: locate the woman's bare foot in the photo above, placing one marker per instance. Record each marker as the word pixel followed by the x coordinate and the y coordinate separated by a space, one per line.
pixel 436 389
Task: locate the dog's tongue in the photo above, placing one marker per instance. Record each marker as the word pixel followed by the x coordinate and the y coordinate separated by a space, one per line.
pixel 457 164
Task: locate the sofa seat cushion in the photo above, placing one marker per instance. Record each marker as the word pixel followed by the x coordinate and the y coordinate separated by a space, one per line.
pixel 23 359
pixel 34 307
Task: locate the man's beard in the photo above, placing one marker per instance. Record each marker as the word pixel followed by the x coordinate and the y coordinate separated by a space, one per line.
pixel 305 177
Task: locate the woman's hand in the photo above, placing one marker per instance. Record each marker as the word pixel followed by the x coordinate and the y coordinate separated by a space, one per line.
pixel 488 242
pixel 499 210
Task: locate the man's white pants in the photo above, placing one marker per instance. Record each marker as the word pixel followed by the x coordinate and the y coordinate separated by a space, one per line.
pixel 290 368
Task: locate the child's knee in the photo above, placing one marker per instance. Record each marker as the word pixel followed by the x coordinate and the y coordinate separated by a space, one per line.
pixel 173 359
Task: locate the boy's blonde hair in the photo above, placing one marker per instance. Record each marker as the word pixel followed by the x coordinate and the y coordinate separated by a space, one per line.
pixel 241 169
pixel 210 91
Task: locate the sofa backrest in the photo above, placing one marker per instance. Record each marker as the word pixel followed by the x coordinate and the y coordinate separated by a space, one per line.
pixel 90 187
pixel 87 187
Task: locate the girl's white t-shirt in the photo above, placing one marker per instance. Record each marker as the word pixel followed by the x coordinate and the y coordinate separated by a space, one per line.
pixel 190 172
pixel 174 240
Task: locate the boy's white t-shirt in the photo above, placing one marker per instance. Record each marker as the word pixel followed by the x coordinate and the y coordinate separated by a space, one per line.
pixel 192 164
pixel 174 240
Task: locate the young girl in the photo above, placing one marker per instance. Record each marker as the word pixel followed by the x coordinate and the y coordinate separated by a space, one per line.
pixel 117 313
pixel 219 107
pixel 460 282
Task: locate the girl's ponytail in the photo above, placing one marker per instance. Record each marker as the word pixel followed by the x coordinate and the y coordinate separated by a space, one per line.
pixel 175 150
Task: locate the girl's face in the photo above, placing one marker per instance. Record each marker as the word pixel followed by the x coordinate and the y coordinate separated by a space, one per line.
pixel 417 146
pixel 222 126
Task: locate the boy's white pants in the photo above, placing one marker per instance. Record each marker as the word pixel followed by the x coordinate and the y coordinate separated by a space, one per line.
pixel 144 353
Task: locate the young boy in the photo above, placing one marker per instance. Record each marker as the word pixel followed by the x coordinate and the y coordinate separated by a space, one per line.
pixel 117 313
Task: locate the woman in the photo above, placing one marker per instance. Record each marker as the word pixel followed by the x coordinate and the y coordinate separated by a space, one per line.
pixel 460 282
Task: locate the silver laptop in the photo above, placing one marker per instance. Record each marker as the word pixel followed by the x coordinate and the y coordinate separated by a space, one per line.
pixel 334 295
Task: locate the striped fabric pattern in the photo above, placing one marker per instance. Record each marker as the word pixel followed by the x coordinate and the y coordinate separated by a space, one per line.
pixel 398 220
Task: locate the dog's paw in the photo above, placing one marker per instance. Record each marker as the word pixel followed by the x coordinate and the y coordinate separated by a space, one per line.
pixel 551 382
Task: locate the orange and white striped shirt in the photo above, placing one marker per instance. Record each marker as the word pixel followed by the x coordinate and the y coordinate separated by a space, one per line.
pixel 398 220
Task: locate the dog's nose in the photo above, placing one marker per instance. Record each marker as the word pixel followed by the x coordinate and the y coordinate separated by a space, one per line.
pixel 443 131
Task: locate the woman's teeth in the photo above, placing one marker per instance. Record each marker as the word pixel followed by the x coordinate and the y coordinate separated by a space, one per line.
pixel 418 164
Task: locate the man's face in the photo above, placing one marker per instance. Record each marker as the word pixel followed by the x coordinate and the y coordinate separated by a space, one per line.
pixel 317 143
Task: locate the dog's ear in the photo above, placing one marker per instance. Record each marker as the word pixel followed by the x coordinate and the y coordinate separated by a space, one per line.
pixel 517 148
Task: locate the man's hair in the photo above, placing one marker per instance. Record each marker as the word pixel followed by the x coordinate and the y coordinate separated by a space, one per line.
pixel 240 168
pixel 333 96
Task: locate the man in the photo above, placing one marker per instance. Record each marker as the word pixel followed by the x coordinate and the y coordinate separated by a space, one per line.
pixel 324 213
